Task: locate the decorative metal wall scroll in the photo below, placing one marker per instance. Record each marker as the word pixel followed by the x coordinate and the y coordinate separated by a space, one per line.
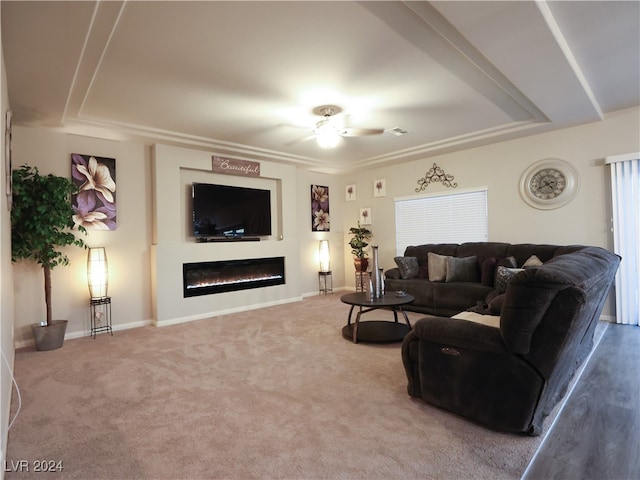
pixel 436 174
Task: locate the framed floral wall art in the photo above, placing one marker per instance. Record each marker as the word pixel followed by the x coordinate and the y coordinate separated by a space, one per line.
pixel 365 216
pixel 350 192
pixel 380 188
pixel 320 219
pixel 94 205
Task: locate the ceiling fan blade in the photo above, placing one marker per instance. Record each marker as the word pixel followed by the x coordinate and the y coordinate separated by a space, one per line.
pixel 360 132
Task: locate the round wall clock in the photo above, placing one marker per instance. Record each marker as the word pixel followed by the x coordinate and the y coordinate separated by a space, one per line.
pixel 549 183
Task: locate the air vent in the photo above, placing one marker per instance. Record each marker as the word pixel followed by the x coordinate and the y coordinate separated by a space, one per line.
pixel 397 131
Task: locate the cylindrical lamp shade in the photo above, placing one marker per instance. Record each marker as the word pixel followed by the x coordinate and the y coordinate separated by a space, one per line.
pixel 324 257
pixel 97 272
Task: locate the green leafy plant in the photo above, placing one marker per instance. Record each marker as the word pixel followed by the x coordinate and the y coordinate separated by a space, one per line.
pixel 359 241
pixel 41 222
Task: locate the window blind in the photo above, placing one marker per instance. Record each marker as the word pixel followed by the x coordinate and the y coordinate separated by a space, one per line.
pixel 442 218
pixel 625 196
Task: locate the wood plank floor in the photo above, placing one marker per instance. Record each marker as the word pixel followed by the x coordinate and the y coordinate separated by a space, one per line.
pixel 597 434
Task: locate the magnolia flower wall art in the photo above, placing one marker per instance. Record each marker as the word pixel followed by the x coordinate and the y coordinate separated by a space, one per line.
pixel 320 220
pixel 94 205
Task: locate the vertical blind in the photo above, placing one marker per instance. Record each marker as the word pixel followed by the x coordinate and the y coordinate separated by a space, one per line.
pixel 625 201
pixel 442 218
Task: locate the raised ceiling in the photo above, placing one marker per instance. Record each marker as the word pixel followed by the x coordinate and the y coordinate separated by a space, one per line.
pixel 242 78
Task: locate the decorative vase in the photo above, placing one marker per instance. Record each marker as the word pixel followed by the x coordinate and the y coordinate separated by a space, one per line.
pixel 361 264
pixel 375 273
pixel 49 337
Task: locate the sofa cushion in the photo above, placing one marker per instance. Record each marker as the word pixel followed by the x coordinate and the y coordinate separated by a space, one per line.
pixel 437 265
pixel 488 271
pixel 522 251
pixel 463 269
pixel 421 251
pixel 504 276
pixel 423 272
pixel 483 250
pixel 408 266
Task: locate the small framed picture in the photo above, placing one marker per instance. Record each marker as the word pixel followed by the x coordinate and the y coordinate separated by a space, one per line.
pixel 350 192
pixel 380 188
pixel 365 216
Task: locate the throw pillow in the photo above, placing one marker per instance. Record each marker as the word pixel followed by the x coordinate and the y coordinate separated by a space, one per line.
pixel 437 265
pixel 462 269
pixel 408 266
pixel 504 275
pixel 393 273
pixel 509 262
pixel 488 271
pixel 532 261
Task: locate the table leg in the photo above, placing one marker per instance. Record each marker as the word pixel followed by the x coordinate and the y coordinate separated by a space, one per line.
pixel 350 312
pixel 406 319
pixel 355 327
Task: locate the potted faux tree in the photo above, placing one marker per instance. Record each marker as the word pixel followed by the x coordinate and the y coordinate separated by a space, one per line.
pixel 41 222
pixel 358 243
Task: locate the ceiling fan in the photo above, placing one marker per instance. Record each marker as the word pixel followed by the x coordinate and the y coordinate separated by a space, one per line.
pixel 328 132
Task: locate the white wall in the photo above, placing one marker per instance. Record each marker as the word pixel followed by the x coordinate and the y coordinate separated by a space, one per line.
pixel 6 281
pixel 128 247
pixel 586 220
pixel 309 240
pixel 174 171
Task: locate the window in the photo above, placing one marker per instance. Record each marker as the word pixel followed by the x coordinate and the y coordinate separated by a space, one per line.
pixel 442 218
pixel 625 192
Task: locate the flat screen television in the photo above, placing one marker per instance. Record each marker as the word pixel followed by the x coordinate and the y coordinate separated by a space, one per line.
pixel 224 211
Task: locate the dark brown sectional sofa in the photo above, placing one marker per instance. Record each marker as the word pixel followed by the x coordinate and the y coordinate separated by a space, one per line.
pixel 509 375
pixel 448 298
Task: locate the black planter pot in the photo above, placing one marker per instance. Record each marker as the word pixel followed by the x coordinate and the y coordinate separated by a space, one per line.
pixel 49 337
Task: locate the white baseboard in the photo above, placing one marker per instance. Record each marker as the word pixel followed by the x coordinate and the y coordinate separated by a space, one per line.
pixel 86 333
pixel 201 316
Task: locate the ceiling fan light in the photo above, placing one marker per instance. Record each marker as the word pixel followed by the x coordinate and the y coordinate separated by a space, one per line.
pixel 327 136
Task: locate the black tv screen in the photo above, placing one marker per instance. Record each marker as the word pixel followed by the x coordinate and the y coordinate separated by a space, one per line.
pixel 223 211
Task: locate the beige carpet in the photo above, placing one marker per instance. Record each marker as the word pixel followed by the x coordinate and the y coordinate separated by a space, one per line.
pixel 271 393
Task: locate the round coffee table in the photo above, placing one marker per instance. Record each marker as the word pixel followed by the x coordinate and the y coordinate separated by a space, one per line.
pixel 381 331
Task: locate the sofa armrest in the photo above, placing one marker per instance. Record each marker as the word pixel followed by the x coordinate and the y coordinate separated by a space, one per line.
pixel 454 332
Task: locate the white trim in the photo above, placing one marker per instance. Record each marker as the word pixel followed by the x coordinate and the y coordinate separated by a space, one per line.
pixel 441 194
pixel 202 316
pixel 625 157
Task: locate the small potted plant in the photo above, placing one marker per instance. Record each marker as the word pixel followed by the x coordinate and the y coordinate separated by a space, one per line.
pixel 358 243
pixel 41 223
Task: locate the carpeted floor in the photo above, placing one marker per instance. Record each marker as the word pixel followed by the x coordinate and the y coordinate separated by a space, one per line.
pixel 275 393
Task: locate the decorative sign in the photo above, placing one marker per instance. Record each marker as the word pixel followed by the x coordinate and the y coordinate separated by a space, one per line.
pixel 436 174
pixel 229 166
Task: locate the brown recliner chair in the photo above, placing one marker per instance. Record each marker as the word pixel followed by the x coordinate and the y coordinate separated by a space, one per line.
pixel 510 378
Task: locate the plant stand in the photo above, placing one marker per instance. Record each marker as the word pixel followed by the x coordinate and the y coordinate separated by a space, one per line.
pixel 101 316
pixel 325 282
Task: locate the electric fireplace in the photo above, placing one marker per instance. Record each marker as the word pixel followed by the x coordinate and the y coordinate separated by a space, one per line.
pixel 206 278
